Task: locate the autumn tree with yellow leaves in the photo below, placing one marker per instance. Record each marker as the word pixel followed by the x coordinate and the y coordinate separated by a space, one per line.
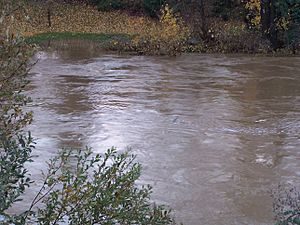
pixel 279 20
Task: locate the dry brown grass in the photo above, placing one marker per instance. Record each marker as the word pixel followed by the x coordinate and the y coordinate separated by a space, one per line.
pixel 80 19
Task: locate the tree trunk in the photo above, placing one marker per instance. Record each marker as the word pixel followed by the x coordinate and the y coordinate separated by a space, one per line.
pixel 49 12
pixel 204 27
pixel 273 30
pixel 265 16
pixel 268 26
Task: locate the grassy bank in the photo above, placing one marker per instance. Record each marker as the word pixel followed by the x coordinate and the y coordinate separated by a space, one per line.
pixel 102 39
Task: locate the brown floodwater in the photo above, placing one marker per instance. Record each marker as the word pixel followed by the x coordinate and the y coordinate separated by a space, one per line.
pixel 214 133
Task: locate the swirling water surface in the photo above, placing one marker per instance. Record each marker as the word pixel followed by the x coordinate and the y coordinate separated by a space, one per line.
pixel 213 132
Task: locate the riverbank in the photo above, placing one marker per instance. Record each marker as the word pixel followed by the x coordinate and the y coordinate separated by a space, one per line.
pixel 120 31
pixel 102 41
pixel 117 30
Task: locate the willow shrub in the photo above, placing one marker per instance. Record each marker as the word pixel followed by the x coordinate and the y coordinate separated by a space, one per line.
pixel 82 188
pixel 15 145
pixel 100 189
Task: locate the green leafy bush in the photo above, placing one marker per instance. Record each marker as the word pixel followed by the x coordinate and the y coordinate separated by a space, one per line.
pixel 15 145
pixel 100 189
pixel 288 23
pixel 228 9
pixel 286 205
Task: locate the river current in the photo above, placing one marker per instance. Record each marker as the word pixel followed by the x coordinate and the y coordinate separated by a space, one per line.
pixel 214 133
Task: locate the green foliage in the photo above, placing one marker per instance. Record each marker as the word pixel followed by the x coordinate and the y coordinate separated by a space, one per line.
pixel 100 38
pixel 108 5
pixel 15 152
pixel 292 36
pixel 15 146
pixel 152 7
pixel 14 63
pixel 279 21
pixel 286 205
pixel 228 9
pixel 288 22
pixel 100 189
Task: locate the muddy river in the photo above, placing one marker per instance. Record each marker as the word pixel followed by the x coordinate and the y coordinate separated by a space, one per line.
pixel 214 133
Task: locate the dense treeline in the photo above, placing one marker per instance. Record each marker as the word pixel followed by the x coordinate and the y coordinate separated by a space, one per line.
pixel 277 20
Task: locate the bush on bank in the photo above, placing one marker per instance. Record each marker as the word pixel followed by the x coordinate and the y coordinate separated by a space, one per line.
pixel 168 38
pixel 234 37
